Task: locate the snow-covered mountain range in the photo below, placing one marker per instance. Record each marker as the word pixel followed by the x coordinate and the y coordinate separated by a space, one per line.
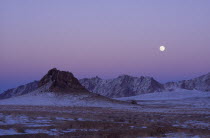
pixel 58 88
pixel 125 86
pixel 122 86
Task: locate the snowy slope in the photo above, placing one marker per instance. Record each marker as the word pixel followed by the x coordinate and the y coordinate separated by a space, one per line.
pixel 23 89
pixel 55 99
pixel 177 94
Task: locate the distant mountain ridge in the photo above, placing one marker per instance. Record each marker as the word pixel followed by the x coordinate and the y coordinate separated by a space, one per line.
pixel 122 86
pixel 201 83
pixel 20 90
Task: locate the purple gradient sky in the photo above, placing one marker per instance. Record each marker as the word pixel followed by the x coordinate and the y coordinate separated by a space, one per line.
pixel 105 38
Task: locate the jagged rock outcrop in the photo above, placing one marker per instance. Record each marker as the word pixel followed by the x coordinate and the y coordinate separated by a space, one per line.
pixel 53 81
pixel 201 83
pixel 23 89
pixel 122 86
pixel 61 81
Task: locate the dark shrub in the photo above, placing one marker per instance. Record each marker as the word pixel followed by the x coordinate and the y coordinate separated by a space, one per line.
pixel 133 102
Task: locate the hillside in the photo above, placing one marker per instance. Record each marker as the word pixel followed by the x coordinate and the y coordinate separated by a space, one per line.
pixel 61 88
pixel 20 90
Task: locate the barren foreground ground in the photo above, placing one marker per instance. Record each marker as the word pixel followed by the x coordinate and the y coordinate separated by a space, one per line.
pixel 144 120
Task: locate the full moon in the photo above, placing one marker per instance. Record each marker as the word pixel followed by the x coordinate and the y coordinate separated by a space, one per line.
pixel 162 48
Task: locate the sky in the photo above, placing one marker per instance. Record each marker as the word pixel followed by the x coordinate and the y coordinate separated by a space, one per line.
pixel 103 38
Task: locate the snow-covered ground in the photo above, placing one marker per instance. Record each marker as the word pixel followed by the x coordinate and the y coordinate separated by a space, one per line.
pixel 52 99
pixel 179 101
pixel 39 121
pixel 21 122
pixel 173 95
pixel 52 132
pixel 34 124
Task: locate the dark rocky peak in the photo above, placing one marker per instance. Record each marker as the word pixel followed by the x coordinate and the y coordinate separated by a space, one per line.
pixel 61 81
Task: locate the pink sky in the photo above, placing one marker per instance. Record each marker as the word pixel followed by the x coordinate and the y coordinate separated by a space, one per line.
pixel 104 38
